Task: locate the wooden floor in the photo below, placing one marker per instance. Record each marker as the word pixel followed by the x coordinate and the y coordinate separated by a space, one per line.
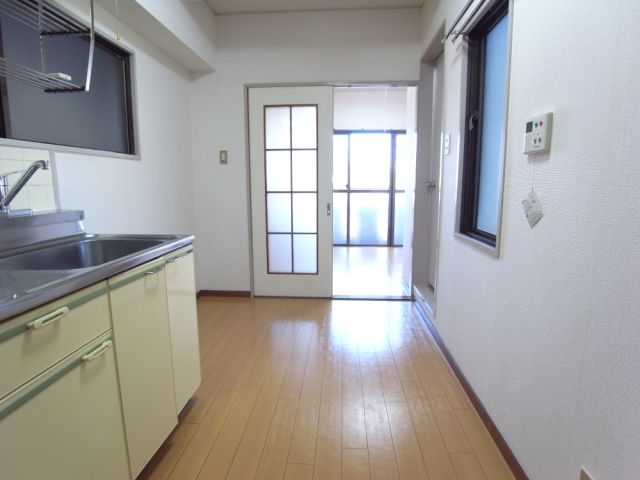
pixel 300 389
pixel 368 272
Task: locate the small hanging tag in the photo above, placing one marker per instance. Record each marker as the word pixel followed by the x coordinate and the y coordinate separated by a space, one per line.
pixel 532 208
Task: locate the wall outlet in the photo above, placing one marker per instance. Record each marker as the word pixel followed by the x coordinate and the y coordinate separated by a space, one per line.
pixel 584 475
pixel 223 157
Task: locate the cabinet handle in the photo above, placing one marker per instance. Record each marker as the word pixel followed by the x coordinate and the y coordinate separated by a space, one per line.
pixel 153 271
pixel 48 319
pixel 91 356
pixel 178 257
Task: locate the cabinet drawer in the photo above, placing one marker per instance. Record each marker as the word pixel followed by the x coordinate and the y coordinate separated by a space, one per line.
pixel 37 339
pixel 67 422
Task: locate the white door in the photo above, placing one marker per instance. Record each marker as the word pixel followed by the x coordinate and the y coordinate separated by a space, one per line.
pixel 290 148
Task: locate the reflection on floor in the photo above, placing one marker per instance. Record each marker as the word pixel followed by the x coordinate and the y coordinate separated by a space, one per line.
pixel 297 389
pixel 368 272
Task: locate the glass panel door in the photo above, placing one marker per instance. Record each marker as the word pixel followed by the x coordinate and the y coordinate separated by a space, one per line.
pixel 290 155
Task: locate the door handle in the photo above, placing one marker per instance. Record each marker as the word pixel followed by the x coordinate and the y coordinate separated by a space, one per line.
pixel 328 209
pixel 431 185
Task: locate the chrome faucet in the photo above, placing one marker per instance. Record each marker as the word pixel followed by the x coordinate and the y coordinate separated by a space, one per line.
pixel 8 194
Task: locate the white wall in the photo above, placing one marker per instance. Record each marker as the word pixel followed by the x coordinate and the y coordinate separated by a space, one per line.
pixel 370 108
pixel 275 48
pixel 153 194
pixel 548 334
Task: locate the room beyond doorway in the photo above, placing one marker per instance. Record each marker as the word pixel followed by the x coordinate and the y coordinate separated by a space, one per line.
pixel 373 185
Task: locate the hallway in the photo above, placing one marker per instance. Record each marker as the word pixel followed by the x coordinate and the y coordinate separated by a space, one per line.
pixel 300 389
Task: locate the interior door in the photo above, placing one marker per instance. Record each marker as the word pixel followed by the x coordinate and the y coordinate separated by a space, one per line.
pixel 290 148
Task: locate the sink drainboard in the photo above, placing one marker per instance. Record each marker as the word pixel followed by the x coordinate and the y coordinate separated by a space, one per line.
pixel 28 280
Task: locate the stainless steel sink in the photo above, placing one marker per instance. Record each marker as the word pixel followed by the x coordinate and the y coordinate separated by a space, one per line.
pixel 79 254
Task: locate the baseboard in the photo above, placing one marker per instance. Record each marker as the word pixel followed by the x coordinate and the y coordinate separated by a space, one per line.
pixel 501 443
pixel 222 293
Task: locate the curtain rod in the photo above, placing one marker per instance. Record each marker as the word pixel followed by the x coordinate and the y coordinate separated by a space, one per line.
pixel 460 31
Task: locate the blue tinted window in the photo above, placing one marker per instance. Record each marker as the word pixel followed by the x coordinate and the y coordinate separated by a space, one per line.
pixel 493 126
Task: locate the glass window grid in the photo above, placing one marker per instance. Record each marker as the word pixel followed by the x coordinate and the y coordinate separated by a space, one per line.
pixel 292 234
pixel 391 190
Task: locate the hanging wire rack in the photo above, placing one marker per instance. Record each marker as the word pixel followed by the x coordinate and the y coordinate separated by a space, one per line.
pixel 48 21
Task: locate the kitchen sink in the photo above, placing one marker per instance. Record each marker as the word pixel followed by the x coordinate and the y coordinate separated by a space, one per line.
pixel 79 254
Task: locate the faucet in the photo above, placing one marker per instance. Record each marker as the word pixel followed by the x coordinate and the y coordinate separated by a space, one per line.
pixel 6 194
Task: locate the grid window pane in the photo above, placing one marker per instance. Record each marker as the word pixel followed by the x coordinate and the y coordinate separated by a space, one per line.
pixel 369 219
pixel 277 127
pixel 401 161
pixel 278 171
pixel 304 127
pixel 305 213
pixel 279 253
pixel 370 161
pixel 339 218
pixel 340 161
pixel 398 219
pixel 305 171
pixel 305 256
pixel 278 212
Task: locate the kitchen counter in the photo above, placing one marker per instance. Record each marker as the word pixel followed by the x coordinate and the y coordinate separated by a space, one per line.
pixel 25 289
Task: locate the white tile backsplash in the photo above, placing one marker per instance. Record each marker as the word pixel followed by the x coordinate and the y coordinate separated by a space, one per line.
pixel 39 194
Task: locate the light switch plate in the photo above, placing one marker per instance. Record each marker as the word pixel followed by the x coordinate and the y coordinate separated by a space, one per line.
pixel 584 475
pixel 447 142
pixel 223 157
pixel 537 136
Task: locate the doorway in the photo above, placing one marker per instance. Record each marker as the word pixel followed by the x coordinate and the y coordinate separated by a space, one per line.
pixel 373 163
pixel 430 150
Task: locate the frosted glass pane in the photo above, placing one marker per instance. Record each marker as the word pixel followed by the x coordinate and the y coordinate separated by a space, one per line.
pixel 305 254
pixel 340 162
pixel 370 160
pixel 398 219
pixel 369 219
pixel 277 127
pixel 305 213
pixel 278 171
pixel 401 162
pixel 278 212
pixel 304 129
pixel 279 253
pixel 339 218
pixel 493 126
pixel 305 172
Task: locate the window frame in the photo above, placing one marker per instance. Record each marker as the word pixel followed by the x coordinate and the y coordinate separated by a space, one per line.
pixel 472 104
pixel 133 125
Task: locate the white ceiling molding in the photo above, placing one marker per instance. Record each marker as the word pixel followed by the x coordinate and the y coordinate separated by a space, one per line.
pixel 223 7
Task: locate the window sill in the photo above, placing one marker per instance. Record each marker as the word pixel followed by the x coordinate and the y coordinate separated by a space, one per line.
pixel 8 142
pixel 478 245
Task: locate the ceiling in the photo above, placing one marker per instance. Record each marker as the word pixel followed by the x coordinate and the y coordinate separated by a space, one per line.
pixel 221 7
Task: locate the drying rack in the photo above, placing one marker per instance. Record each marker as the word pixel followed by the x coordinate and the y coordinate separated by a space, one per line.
pixel 49 22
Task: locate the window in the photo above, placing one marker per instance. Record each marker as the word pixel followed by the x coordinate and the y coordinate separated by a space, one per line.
pixel 100 119
pixel 485 126
pixel 368 187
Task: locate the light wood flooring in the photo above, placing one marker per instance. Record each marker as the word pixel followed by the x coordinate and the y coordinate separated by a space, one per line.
pixel 302 389
pixel 368 272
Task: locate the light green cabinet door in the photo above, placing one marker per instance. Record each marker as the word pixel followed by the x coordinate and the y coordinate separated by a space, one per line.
pixel 66 423
pixel 143 353
pixel 183 324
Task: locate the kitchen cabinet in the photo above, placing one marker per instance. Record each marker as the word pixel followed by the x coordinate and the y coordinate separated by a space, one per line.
pixel 60 414
pixel 143 353
pixel 183 324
